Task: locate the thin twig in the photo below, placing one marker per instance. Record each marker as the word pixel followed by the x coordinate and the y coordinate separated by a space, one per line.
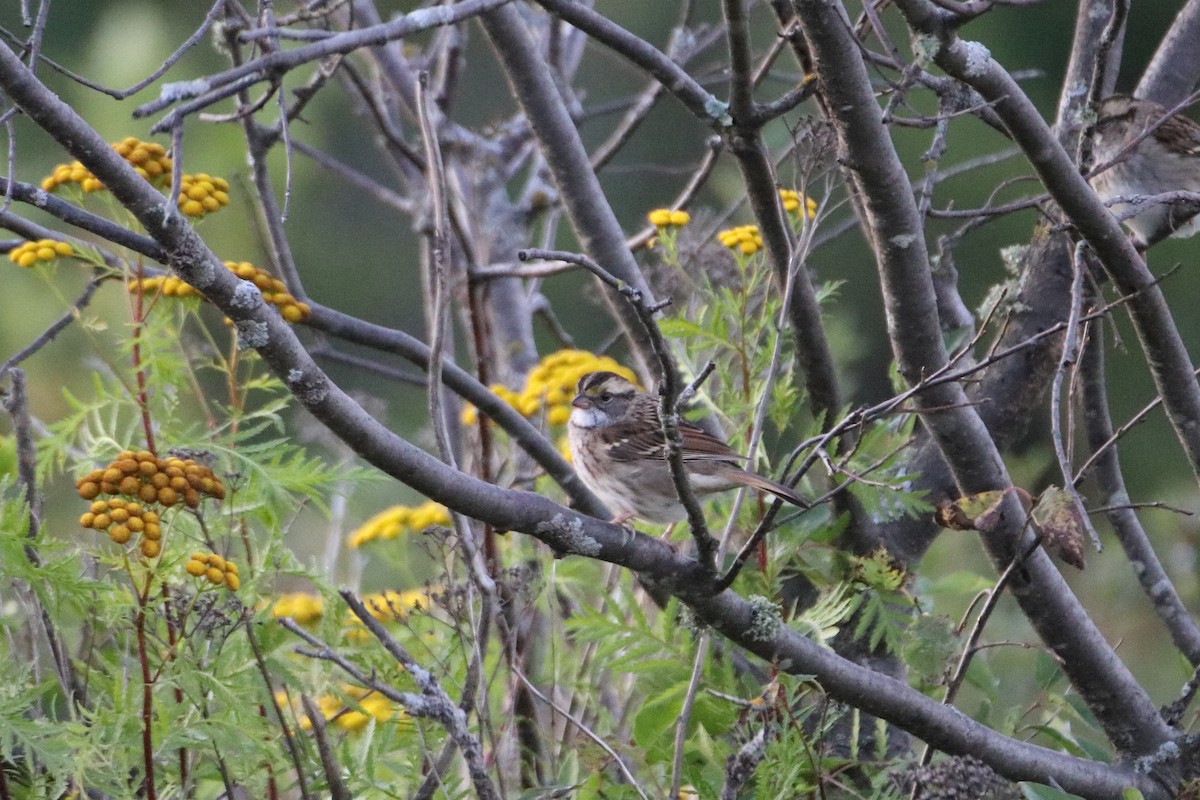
pixel 969 647
pixel 121 94
pixel 333 772
pixel 433 702
pixel 587 731
pixel 690 390
pixel 289 737
pixel 276 63
pixel 685 712
pixel 55 328
pixel 438 246
pixel 16 404
pixel 1174 711
pixel 715 146
pixel 1067 362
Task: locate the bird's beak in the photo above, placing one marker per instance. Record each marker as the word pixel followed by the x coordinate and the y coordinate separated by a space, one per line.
pixel 582 401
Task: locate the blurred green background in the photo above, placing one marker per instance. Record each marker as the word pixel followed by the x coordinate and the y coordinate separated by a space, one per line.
pixel 358 256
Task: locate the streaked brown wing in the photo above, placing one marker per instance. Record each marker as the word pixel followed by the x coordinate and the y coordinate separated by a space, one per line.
pixel 635 441
pixel 1181 135
pixel 699 444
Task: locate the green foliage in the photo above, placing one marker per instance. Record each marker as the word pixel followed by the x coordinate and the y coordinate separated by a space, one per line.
pixel 218 680
pixel 798 760
pixel 878 460
pixel 929 647
pixel 138 623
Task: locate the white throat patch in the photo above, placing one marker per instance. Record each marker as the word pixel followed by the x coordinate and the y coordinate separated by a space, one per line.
pixel 585 417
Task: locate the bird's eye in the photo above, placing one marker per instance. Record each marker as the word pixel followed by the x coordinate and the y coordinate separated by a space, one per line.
pixel 605 397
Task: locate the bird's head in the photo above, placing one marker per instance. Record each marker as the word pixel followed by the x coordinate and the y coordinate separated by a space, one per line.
pixel 601 399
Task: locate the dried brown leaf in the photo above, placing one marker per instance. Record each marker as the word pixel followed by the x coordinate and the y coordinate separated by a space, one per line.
pixel 1060 521
pixel 975 512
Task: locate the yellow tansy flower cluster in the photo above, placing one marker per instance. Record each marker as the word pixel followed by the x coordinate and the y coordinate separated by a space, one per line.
pixel 300 606
pixel 72 173
pixel 152 480
pixel 273 290
pixel 149 159
pixel 366 705
pixel 199 194
pixel 390 523
pixel 666 218
pixel 169 285
pixel 121 519
pixel 213 568
pixel 386 606
pixel 550 386
pixel 792 200
pixel 744 239
pixel 390 605
pixel 202 194
pixel 30 253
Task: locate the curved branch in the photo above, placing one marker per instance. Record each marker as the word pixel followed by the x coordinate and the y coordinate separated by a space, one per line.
pixel 943 727
pixel 278 62
pixel 1174 70
pixel 1107 471
pixel 657 63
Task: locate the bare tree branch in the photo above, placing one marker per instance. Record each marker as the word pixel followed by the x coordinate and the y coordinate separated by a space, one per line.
pixel 1120 703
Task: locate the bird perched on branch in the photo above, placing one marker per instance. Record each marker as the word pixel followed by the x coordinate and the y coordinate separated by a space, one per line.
pixel 1165 158
pixel 619 451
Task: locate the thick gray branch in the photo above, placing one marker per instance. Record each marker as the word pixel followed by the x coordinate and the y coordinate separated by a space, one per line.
pixel 1119 702
pixel 1174 70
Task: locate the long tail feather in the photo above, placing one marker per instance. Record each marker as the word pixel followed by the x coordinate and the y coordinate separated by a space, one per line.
pixel 757 481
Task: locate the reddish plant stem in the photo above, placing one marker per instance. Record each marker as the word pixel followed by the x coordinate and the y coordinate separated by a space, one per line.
pixel 143 402
pixel 483 369
pixel 245 534
pixel 289 738
pixel 173 640
pixel 147 692
pixel 235 399
pixel 272 789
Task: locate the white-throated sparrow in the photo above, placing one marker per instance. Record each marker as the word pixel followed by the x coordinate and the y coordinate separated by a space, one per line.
pixel 1166 160
pixel 620 453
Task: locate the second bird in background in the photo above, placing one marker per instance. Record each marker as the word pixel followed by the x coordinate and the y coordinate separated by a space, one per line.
pixel 1167 159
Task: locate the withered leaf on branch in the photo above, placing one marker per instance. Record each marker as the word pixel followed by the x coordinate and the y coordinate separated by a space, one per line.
pixel 1060 521
pixel 975 512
